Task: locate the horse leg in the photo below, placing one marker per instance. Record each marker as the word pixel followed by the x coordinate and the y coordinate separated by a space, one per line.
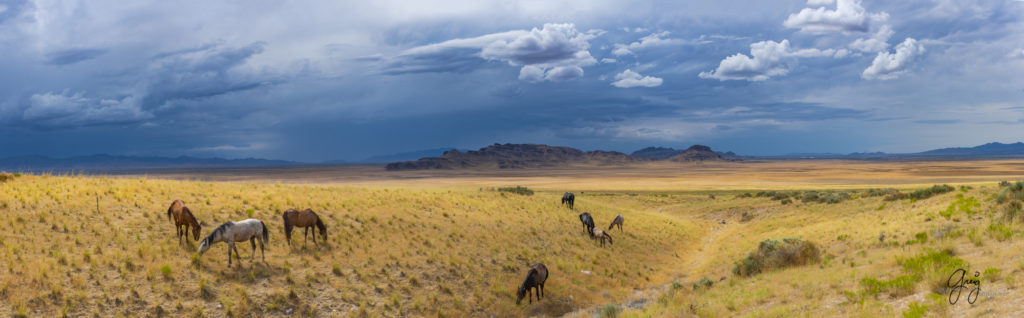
pixel 263 253
pixel 288 235
pixel 542 289
pixel 314 237
pixel 230 244
pixel 536 289
pixel 305 235
pixel 253 241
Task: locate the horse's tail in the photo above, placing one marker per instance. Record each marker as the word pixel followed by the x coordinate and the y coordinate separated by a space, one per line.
pixel 170 210
pixel 266 233
pixel 287 226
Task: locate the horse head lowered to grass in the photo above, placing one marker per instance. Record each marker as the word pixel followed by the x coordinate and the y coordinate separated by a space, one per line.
pixel 304 219
pixel 231 232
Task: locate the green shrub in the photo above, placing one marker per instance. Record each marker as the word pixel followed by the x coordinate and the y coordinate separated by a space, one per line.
pixel 896 287
pixel 879 192
pixel 703 284
pixel 915 310
pixel 962 204
pixel 1000 232
pixel 934 267
pixel 920 194
pixel 166 271
pixel 919 238
pixel 1011 192
pixel 775 254
pixel 992 274
pixel 610 311
pixel 521 190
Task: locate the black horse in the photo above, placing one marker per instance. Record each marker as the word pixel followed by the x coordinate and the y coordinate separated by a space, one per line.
pixel 588 223
pixel 534 280
pixel 568 198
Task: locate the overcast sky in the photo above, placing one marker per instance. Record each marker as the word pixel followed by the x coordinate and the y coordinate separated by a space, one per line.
pixel 325 80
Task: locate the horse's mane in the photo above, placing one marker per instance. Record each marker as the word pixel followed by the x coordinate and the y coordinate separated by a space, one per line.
pixel 319 222
pixel 529 276
pixel 188 213
pixel 218 231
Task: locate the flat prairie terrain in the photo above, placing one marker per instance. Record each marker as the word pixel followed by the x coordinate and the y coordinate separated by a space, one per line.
pixel 448 243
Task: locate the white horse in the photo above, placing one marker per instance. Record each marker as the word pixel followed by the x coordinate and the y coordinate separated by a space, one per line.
pixel 231 232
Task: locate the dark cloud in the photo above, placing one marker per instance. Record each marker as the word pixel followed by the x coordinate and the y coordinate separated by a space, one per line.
pixel 326 82
pixel 938 121
pixel 73 56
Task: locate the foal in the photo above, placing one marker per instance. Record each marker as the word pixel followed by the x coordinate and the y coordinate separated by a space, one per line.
pixel 599 234
pixel 182 216
pixel 231 232
pixel 304 219
pixel 617 221
pixel 534 279
pixel 588 223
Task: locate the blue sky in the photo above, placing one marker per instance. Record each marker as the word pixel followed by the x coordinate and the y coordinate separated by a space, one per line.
pixel 325 80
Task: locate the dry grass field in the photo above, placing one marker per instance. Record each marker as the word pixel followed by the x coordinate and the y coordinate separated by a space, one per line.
pixel 448 244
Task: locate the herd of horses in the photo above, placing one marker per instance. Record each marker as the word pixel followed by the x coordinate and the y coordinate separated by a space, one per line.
pixel 255 230
pixel 252 230
pixel 538 273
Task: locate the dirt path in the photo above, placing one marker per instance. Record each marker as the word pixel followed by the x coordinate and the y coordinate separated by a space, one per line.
pixel 641 297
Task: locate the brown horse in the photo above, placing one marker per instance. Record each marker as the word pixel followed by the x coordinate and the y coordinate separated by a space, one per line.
pixel 602 235
pixel 303 219
pixel 617 221
pixel 534 280
pixel 182 216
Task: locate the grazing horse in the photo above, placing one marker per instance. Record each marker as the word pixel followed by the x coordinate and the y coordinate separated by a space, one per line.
pixel 182 216
pixel 568 199
pixel 231 232
pixel 534 279
pixel 588 223
pixel 304 219
pixel 599 234
pixel 617 221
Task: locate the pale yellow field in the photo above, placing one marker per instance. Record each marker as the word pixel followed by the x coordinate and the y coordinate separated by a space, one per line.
pixel 445 243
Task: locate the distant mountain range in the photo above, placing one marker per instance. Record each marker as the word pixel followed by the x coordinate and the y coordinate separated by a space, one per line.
pixel 497 156
pixel 990 150
pixel 505 156
pixel 109 162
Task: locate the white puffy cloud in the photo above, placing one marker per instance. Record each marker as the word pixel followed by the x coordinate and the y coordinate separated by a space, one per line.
pixel 887 66
pixel 767 59
pixel 849 16
pixel 557 51
pixel 67 109
pixel 818 3
pixel 1017 53
pixel 629 78
pixel 652 40
pixel 608 60
pixel 876 43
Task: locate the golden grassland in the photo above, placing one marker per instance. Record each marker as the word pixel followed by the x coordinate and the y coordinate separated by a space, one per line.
pixel 427 244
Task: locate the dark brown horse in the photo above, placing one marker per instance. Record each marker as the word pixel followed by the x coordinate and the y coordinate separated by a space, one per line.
pixel 588 223
pixel 182 216
pixel 617 221
pixel 568 199
pixel 534 279
pixel 304 219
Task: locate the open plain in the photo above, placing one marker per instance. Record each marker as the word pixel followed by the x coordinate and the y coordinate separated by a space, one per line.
pixel 449 243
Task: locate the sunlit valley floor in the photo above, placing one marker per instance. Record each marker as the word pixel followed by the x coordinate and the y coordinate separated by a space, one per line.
pixel 456 246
